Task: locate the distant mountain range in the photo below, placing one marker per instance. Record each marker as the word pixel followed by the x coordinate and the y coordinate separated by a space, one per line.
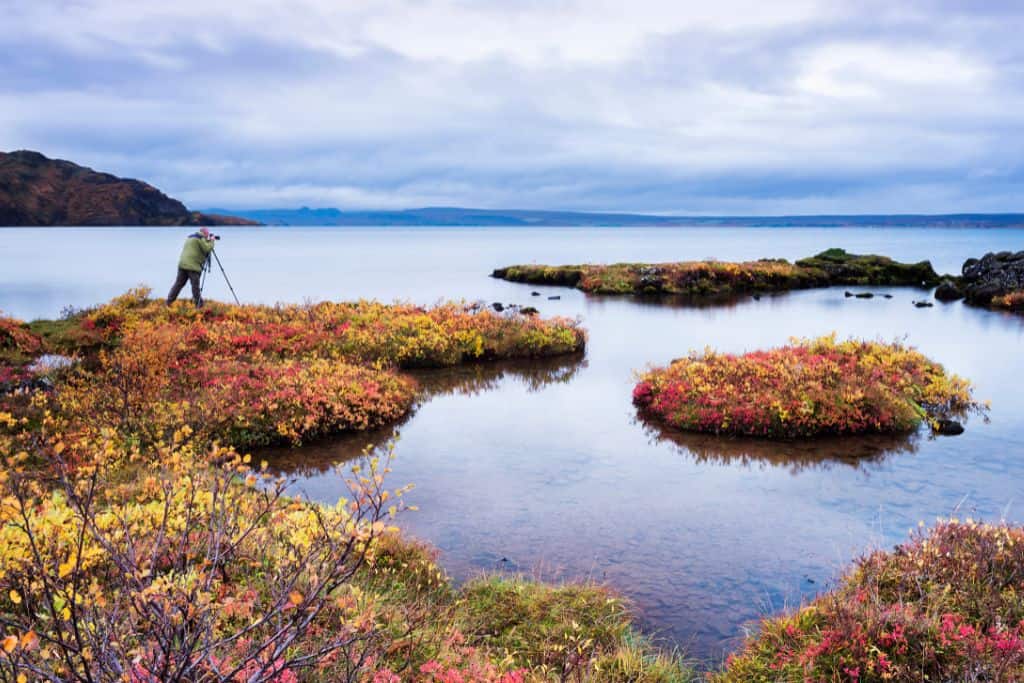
pixel 455 216
pixel 37 190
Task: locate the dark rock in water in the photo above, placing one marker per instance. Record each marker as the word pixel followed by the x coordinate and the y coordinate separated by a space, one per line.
pixel 757 297
pixel 923 304
pixel 528 310
pixel 992 275
pixel 553 298
pixel 499 307
pixel 534 293
pixel 948 427
pixel 948 291
pixel 887 296
pixel 864 295
pixel 847 294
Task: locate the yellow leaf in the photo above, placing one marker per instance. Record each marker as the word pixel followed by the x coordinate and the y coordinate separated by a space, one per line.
pixel 22 678
pixel 65 568
pixel 10 642
pixel 15 598
pixel 296 598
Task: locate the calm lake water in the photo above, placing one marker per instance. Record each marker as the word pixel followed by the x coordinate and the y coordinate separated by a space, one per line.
pixel 543 467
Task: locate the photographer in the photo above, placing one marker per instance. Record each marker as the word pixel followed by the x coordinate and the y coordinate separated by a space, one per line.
pixel 190 266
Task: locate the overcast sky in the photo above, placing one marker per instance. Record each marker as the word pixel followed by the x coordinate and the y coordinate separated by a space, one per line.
pixel 667 106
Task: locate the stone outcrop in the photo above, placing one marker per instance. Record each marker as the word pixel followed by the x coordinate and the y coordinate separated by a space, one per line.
pixel 37 190
pixel 991 276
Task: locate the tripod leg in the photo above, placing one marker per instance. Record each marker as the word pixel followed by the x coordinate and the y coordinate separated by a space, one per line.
pixel 222 272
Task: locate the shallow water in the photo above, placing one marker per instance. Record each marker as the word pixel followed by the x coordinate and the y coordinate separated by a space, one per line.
pixel 544 468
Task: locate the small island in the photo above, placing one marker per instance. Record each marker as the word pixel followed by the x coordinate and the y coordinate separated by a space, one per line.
pixel 812 387
pixel 711 279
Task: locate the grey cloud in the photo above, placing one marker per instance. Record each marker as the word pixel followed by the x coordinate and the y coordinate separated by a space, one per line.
pixel 708 118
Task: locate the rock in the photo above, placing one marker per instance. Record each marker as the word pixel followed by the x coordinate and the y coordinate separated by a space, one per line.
pixel 756 297
pixel 923 304
pixel 994 274
pixel 864 295
pixel 948 291
pixel 554 298
pixel 499 307
pixel 947 427
pixel 528 310
pixel 534 293
pixel 847 294
pixel 887 296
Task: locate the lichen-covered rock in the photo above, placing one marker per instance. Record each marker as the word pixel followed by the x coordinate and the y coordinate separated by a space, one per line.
pixel 993 275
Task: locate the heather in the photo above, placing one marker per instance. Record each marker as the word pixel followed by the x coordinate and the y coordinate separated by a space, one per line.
pixel 808 388
pixel 137 543
pixel 714 279
pixel 948 605
pixel 258 375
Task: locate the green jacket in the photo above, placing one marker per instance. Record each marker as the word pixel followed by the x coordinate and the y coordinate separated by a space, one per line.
pixel 194 253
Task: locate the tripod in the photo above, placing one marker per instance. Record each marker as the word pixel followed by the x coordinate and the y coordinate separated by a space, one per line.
pixel 207 267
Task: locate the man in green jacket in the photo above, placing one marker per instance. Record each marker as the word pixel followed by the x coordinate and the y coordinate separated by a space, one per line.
pixel 190 266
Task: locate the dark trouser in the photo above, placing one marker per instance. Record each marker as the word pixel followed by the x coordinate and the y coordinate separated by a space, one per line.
pixel 191 276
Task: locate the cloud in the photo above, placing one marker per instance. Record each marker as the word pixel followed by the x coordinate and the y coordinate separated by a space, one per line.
pixel 652 105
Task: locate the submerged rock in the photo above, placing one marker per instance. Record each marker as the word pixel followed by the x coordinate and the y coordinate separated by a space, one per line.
pixel 528 310
pixel 554 298
pixel 498 306
pixel 864 295
pixel 923 304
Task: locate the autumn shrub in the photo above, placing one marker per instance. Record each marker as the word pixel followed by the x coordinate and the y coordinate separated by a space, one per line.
pixel 948 605
pixel 1012 301
pixel 184 572
pixel 398 335
pixel 810 387
pixel 18 345
pixel 255 375
pixel 155 379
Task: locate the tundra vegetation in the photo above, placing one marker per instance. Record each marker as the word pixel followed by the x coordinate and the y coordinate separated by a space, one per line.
pixel 948 605
pixel 812 387
pixel 715 279
pixel 137 543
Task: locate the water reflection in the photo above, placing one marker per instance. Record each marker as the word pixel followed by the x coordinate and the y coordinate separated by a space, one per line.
pixel 796 456
pixel 473 379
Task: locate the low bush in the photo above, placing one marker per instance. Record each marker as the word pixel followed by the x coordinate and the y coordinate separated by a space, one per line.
pixel 811 387
pixel 1013 301
pixel 946 606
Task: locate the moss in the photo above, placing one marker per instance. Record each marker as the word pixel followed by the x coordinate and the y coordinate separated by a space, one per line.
pixel 563 630
pixel 715 279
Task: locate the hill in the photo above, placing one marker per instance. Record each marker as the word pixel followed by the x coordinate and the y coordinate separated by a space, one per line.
pixel 455 216
pixel 37 190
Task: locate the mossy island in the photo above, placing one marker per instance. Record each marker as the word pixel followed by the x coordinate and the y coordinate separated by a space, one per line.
pixel 714 279
pixel 812 387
